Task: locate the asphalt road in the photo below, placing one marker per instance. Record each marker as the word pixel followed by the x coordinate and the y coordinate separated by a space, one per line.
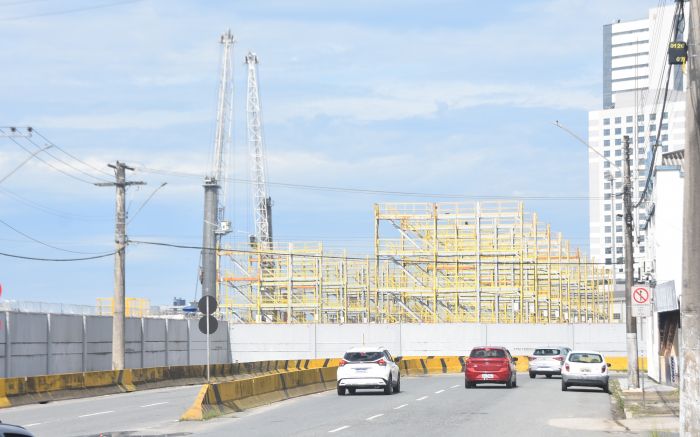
pixel 429 405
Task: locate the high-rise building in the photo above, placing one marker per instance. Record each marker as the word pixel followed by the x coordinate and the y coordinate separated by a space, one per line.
pixel 634 82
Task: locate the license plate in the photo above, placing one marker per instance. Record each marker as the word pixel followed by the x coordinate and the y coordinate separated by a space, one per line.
pixel 361 370
pixel 585 370
pixel 487 376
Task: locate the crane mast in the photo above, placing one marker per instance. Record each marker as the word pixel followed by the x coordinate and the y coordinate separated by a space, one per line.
pixel 262 201
pixel 214 224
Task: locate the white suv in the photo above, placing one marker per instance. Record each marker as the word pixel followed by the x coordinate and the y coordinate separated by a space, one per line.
pixel 368 367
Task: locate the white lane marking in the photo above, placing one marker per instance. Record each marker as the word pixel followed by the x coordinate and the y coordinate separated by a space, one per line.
pixel 375 416
pixel 97 414
pixel 439 391
pixel 153 405
pixel 339 429
pixel 400 406
pixel 31 424
pixel 455 386
pixel 421 398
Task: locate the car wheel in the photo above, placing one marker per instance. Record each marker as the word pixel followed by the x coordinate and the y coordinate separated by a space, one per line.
pixel 509 384
pixel 468 384
pixel 564 386
pixel 341 391
pixel 352 391
pixel 388 386
pixel 549 376
pixel 397 387
pixel 533 375
pixel 606 388
pixel 515 380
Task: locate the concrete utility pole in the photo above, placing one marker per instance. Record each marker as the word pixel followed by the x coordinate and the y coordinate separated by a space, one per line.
pixel 118 315
pixel 690 298
pixel 632 361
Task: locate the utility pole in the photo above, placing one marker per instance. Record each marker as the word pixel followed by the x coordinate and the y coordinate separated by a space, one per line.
pixel 690 297
pixel 632 360
pixel 118 315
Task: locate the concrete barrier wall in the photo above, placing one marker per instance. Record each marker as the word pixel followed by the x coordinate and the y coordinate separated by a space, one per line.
pixel 266 342
pixel 43 344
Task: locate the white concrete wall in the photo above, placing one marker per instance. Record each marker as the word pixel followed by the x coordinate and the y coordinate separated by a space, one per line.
pixel 267 342
pixel 41 344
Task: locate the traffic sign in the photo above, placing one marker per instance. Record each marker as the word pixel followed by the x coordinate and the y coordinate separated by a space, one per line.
pixel 641 301
pixel 640 295
pixel 202 305
pixel 213 325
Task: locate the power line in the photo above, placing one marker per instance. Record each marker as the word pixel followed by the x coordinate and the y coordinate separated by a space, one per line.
pixel 370 191
pixel 145 202
pixel 104 172
pixel 48 210
pixel 45 244
pixel 70 11
pixel 31 258
pixel 427 259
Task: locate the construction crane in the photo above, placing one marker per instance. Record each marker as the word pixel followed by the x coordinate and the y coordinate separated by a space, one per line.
pixel 215 226
pixel 261 199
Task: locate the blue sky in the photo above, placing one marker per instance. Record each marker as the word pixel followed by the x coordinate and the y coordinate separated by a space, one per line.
pixel 448 97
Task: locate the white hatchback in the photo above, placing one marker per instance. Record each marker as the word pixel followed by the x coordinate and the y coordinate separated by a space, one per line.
pixel 368 367
pixel 585 368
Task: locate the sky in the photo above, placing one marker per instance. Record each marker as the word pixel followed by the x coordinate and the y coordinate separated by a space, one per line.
pixel 443 99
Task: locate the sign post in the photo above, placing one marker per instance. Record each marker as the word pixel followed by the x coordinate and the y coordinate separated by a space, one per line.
pixel 207 324
pixel 641 307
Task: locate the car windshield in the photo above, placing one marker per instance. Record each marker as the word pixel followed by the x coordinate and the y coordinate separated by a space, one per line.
pixel 547 352
pixel 487 353
pixel 363 356
pixel 585 358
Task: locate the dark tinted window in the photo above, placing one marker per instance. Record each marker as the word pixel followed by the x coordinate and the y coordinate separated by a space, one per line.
pixel 585 358
pixel 547 351
pixel 363 356
pixel 487 353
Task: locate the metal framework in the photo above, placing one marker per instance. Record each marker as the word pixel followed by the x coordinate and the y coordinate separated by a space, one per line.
pixel 263 219
pixel 134 306
pixel 479 262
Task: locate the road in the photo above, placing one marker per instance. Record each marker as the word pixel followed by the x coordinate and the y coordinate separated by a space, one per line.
pixel 426 406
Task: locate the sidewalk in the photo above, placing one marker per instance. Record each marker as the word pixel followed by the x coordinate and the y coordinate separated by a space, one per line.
pixel 655 408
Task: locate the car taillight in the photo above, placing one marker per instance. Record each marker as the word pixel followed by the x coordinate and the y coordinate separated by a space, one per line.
pixel 559 358
pixel 602 370
pixel 567 367
pixel 381 362
pixel 341 363
pixel 531 358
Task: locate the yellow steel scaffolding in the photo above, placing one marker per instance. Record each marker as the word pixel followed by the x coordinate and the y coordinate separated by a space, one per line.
pixel 481 262
pixel 134 306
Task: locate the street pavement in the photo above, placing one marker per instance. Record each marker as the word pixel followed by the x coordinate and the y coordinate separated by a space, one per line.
pixel 427 405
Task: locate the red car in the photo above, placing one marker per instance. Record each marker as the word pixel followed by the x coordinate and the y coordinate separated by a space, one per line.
pixel 490 364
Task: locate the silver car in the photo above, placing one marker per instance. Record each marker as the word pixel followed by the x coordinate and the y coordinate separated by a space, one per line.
pixel 547 361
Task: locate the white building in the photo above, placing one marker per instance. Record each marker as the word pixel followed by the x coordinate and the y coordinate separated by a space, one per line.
pixel 633 88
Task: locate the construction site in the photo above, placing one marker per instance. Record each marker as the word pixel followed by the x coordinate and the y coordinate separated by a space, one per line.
pixel 474 262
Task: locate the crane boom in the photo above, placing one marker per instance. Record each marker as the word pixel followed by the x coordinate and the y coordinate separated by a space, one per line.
pixel 262 201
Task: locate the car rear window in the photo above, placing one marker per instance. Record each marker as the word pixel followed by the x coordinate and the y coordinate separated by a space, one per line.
pixel 363 356
pixel 585 358
pixel 487 353
pixel 547 352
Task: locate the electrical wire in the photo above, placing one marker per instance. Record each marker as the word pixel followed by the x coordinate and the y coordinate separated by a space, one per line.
pixel 70 11
pixel 51 211
pixel 46 244
pixel 31 258
pixel 104 172
pixel 424 259
pixel 145 202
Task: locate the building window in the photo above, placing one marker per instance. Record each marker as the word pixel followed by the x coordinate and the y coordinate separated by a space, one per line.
pixel 618 228
pixel 618 120
pixel 606 132
pixel 606 185
pixel 618 174
pixel 642 183
pixel 618 142
pixel 652 128
pixel 606 208
pixel 618 207
pixel 618 163
pixel 640 150
pixel 617 316
pixel 608 229
pixel 606 153
pixel 664 126
pixel 640 239
pixel 606 164
pixel 618 152
pixel 607 196
pixel 607 218
pixel 652 139
pixel 652 117
pixel 664 148
pixel 641 249
pixel 640 140
pixel 618 131
pixel 629 130
pixel 640 117
pixel 619 249
pixel 606 121
pixel 608 240
pixel 608 261
pixel 665 115
pixel 606 143
pixel 618 240
pixel 629 119
pixel 608 251
pixel 664 137
pixel 618 217
pixel 640 128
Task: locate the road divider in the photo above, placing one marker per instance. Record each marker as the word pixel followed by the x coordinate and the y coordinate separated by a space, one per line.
pixel 46 388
